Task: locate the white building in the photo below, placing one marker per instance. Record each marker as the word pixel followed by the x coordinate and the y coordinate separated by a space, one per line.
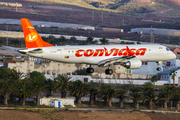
pixel 171 64
pixel 165 76
pixel 156 31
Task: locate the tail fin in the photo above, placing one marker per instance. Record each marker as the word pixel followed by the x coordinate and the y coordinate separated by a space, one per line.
pixel 31 36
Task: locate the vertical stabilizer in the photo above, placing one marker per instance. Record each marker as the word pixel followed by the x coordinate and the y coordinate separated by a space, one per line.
pixel 32 38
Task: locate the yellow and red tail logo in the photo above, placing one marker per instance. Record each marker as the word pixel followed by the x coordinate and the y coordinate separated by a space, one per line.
pixel 32 38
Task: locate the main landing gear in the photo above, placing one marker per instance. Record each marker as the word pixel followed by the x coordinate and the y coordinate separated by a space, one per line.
pixel 158 68
pixel 107 71
pixel 90 69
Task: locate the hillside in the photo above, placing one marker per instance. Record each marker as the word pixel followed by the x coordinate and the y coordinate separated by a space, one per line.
pixel 125 6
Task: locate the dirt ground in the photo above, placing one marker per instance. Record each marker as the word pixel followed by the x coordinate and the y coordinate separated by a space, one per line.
pixel 84 115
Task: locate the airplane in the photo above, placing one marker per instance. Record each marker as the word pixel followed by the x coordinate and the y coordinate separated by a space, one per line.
pixel 128 56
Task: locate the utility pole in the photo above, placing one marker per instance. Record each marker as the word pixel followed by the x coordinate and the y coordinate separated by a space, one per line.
pixel 102 15
pixel 7 35
pixel 152 36
pixel 92 15
pixel 16 7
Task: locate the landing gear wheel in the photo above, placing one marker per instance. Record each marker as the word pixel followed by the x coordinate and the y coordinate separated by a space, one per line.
pixel 109 71
pixel 158 68
pixel 89 70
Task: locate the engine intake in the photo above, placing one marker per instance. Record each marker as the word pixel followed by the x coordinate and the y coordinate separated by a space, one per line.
pixel 133 64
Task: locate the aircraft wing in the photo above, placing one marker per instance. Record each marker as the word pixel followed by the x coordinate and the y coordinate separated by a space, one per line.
pixel 13 48
pixel 114 60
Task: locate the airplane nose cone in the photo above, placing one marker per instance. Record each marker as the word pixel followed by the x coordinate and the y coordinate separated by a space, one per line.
pixel 174 56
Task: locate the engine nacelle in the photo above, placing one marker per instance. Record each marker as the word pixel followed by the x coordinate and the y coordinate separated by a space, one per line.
pixel 133 64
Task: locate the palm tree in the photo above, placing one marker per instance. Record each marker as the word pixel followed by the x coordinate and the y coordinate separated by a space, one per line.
pixel 173 74
pixel 50 85
pixel 120 93
pixel 154 79
pixel 62 84
pixel 1 42
pixel 24 90
pixel 149 94
pixel 62 40
pixel 136 96
pixel 176 97
pixel 38 82
pixel 103 41
pixel 89 39
pixel 7 82
pixel 165 94
pixel 106 93
pixel 81 72
pixel 52 40
pixel 93 92
pixel 15 42
pixel 78 89
pixel 73 39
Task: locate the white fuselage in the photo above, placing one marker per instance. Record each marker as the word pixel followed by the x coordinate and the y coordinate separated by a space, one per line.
pixel 93 54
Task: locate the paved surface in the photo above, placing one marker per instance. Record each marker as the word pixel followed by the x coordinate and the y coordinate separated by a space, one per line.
pixel 45 24
pixel 97 109
pixel 9 52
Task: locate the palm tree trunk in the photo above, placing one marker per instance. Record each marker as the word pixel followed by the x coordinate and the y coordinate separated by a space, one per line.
pixel 37 99
pixel 137 105
pixel 150 104
pixel 63 94
pixel 79 99
pixel 20 100
pixel 177 105
pixel 48 93
pixel 105 101
pixel 91 101
pixel 94 99
pixel 5 99
pixel 165 104
pixel 173 82
pixel 109 102
pixel 121 103
pixel 76 100
pixel 24 101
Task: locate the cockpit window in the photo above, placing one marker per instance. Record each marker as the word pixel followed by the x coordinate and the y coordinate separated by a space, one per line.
pixel 167 49
pixel 160 48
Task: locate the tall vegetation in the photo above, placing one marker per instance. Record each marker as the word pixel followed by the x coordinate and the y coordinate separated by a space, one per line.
pixel 121 94
pixel 106 93
pixel 61 84
pixel 78 89
pixel 136 96
pixel 149 94
pixel 38 81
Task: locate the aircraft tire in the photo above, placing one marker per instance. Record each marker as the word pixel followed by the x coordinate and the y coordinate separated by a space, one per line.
pixel 89 70
pixel 109 71
pixel 158 69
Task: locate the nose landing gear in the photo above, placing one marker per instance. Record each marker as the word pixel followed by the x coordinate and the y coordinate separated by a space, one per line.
pixel 158 68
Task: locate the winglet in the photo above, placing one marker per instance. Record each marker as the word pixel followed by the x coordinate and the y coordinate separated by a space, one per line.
pixel 31 36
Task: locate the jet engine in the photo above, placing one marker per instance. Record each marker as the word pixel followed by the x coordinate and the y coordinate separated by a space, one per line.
pixel 133 64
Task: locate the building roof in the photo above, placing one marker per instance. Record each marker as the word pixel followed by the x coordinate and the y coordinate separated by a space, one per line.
pixel 169 71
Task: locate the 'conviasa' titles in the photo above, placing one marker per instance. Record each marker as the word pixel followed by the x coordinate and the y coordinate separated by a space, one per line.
pixel 113 52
